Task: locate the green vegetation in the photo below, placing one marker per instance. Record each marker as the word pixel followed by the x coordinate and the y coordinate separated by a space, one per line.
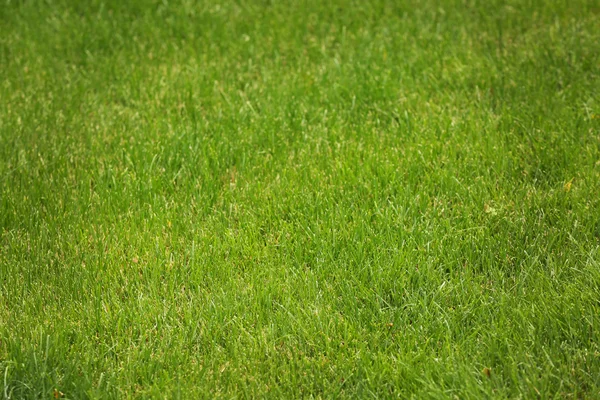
pixel 300 199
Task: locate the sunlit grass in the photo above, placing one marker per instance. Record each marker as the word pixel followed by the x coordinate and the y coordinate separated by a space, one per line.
pixel 299 199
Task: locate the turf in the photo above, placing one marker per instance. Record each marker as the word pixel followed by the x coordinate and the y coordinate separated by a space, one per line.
pixel 292 199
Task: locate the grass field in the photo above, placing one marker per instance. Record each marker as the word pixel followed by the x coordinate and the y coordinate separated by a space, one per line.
pixel 291 199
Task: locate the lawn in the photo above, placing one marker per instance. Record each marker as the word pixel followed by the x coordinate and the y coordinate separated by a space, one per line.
pixel 300 199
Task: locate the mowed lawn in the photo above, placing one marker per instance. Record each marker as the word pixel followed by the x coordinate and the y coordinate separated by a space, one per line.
pixel 300 199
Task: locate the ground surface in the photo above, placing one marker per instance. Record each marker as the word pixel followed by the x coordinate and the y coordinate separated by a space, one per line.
pixel 300 199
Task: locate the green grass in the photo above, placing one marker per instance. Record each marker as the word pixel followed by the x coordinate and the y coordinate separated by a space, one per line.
pixel 300 199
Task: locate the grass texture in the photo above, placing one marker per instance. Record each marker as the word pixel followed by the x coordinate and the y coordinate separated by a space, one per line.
pixel 300 199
